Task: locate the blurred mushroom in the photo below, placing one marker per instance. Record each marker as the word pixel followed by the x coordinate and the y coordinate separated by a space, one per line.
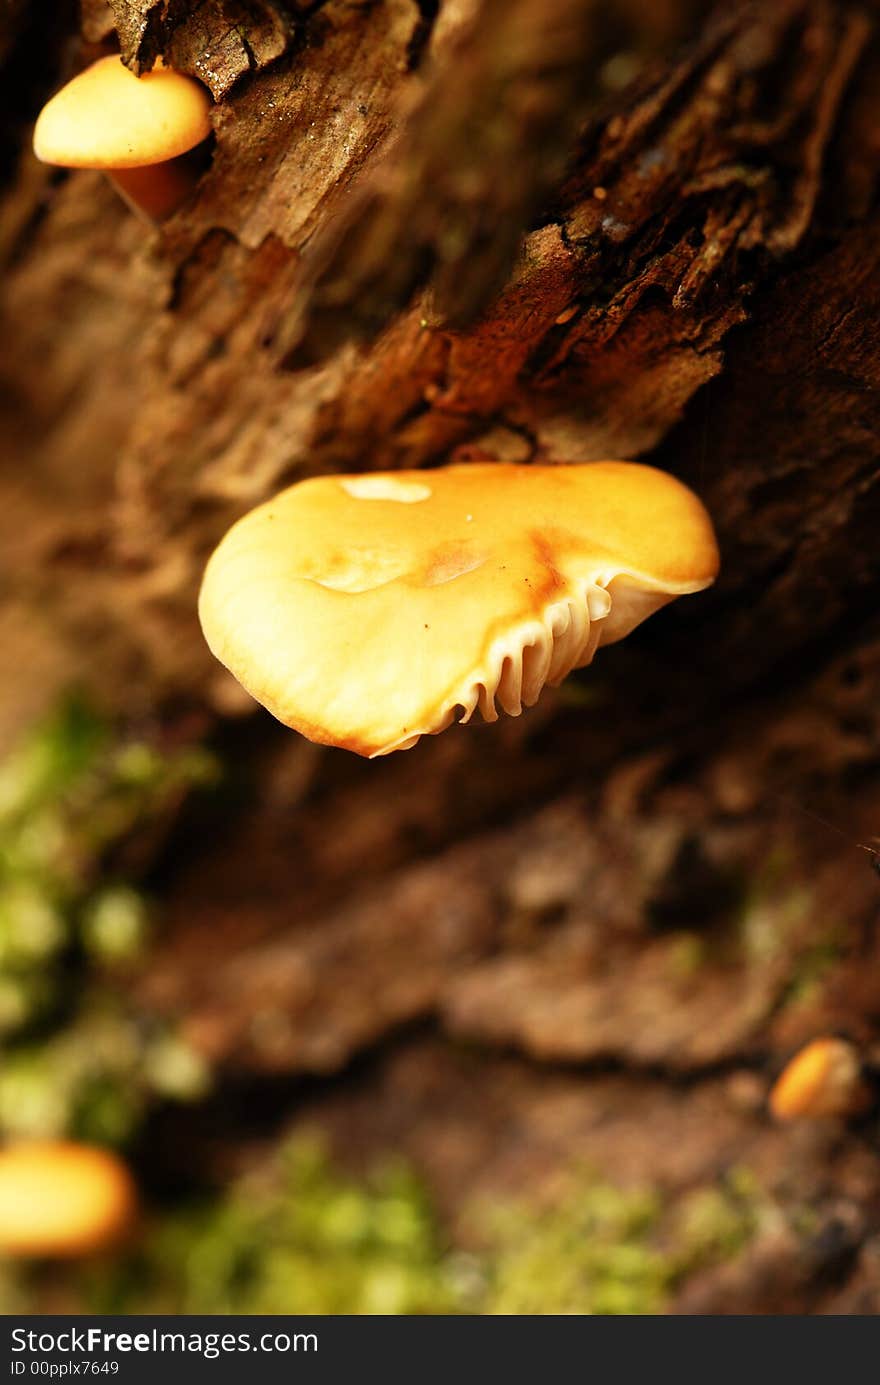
pixel 825 1079
pixel 132 128
pixel 62 1199
pixel 367 611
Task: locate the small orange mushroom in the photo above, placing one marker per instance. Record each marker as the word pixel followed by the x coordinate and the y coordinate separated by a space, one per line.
pixel 135 129
pixel 367 611
pixel 825 1079
pixel 62 1199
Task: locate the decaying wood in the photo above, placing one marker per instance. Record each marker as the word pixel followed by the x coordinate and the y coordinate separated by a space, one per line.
pixel 626 876
pixel 635 173
pixel 681 203
pixel 219 42
pixel 488 139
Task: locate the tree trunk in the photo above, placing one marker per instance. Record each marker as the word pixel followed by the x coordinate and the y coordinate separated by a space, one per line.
pixel 520 230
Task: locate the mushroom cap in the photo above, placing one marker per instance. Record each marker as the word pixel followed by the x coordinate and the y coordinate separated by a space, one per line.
pixel 108 118
pixel 823 1080
pixel 366 611
pixel 62 1199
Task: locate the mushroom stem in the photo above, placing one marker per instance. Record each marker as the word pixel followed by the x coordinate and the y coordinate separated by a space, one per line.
pixel 156 191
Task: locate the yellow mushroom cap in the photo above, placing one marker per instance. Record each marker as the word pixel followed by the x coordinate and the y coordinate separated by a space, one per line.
pixel 107 118
pixel 62 1199
pixel 367 611
pixel 823 1080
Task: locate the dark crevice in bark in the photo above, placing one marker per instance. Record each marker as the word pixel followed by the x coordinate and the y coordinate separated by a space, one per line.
pixel 32 64
pixel 421 35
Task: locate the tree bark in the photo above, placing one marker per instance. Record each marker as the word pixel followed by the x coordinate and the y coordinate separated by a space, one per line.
pixel 536 230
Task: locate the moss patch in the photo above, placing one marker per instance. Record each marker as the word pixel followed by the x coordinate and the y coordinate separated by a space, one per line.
pixel 77 800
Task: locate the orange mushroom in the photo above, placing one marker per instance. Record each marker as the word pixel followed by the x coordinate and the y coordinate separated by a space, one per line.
pixel 367 611
pixel 823 1080
pixel 135 129
pixel 62 1199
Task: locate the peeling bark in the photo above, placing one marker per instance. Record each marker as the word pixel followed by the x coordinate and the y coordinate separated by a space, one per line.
pixel 219 41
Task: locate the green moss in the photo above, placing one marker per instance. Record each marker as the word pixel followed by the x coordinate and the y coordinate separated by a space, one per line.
pixel 773 910
pixel 306 1240
pixel 688 952
pixel 714 1223
pixel 299 1236
pixel 75 1061
pixel 811 970
pixel 779 920
pixel 605 1250
pixel 593 1252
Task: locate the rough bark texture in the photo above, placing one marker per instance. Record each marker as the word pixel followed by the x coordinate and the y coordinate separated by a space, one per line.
pixel 518 231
